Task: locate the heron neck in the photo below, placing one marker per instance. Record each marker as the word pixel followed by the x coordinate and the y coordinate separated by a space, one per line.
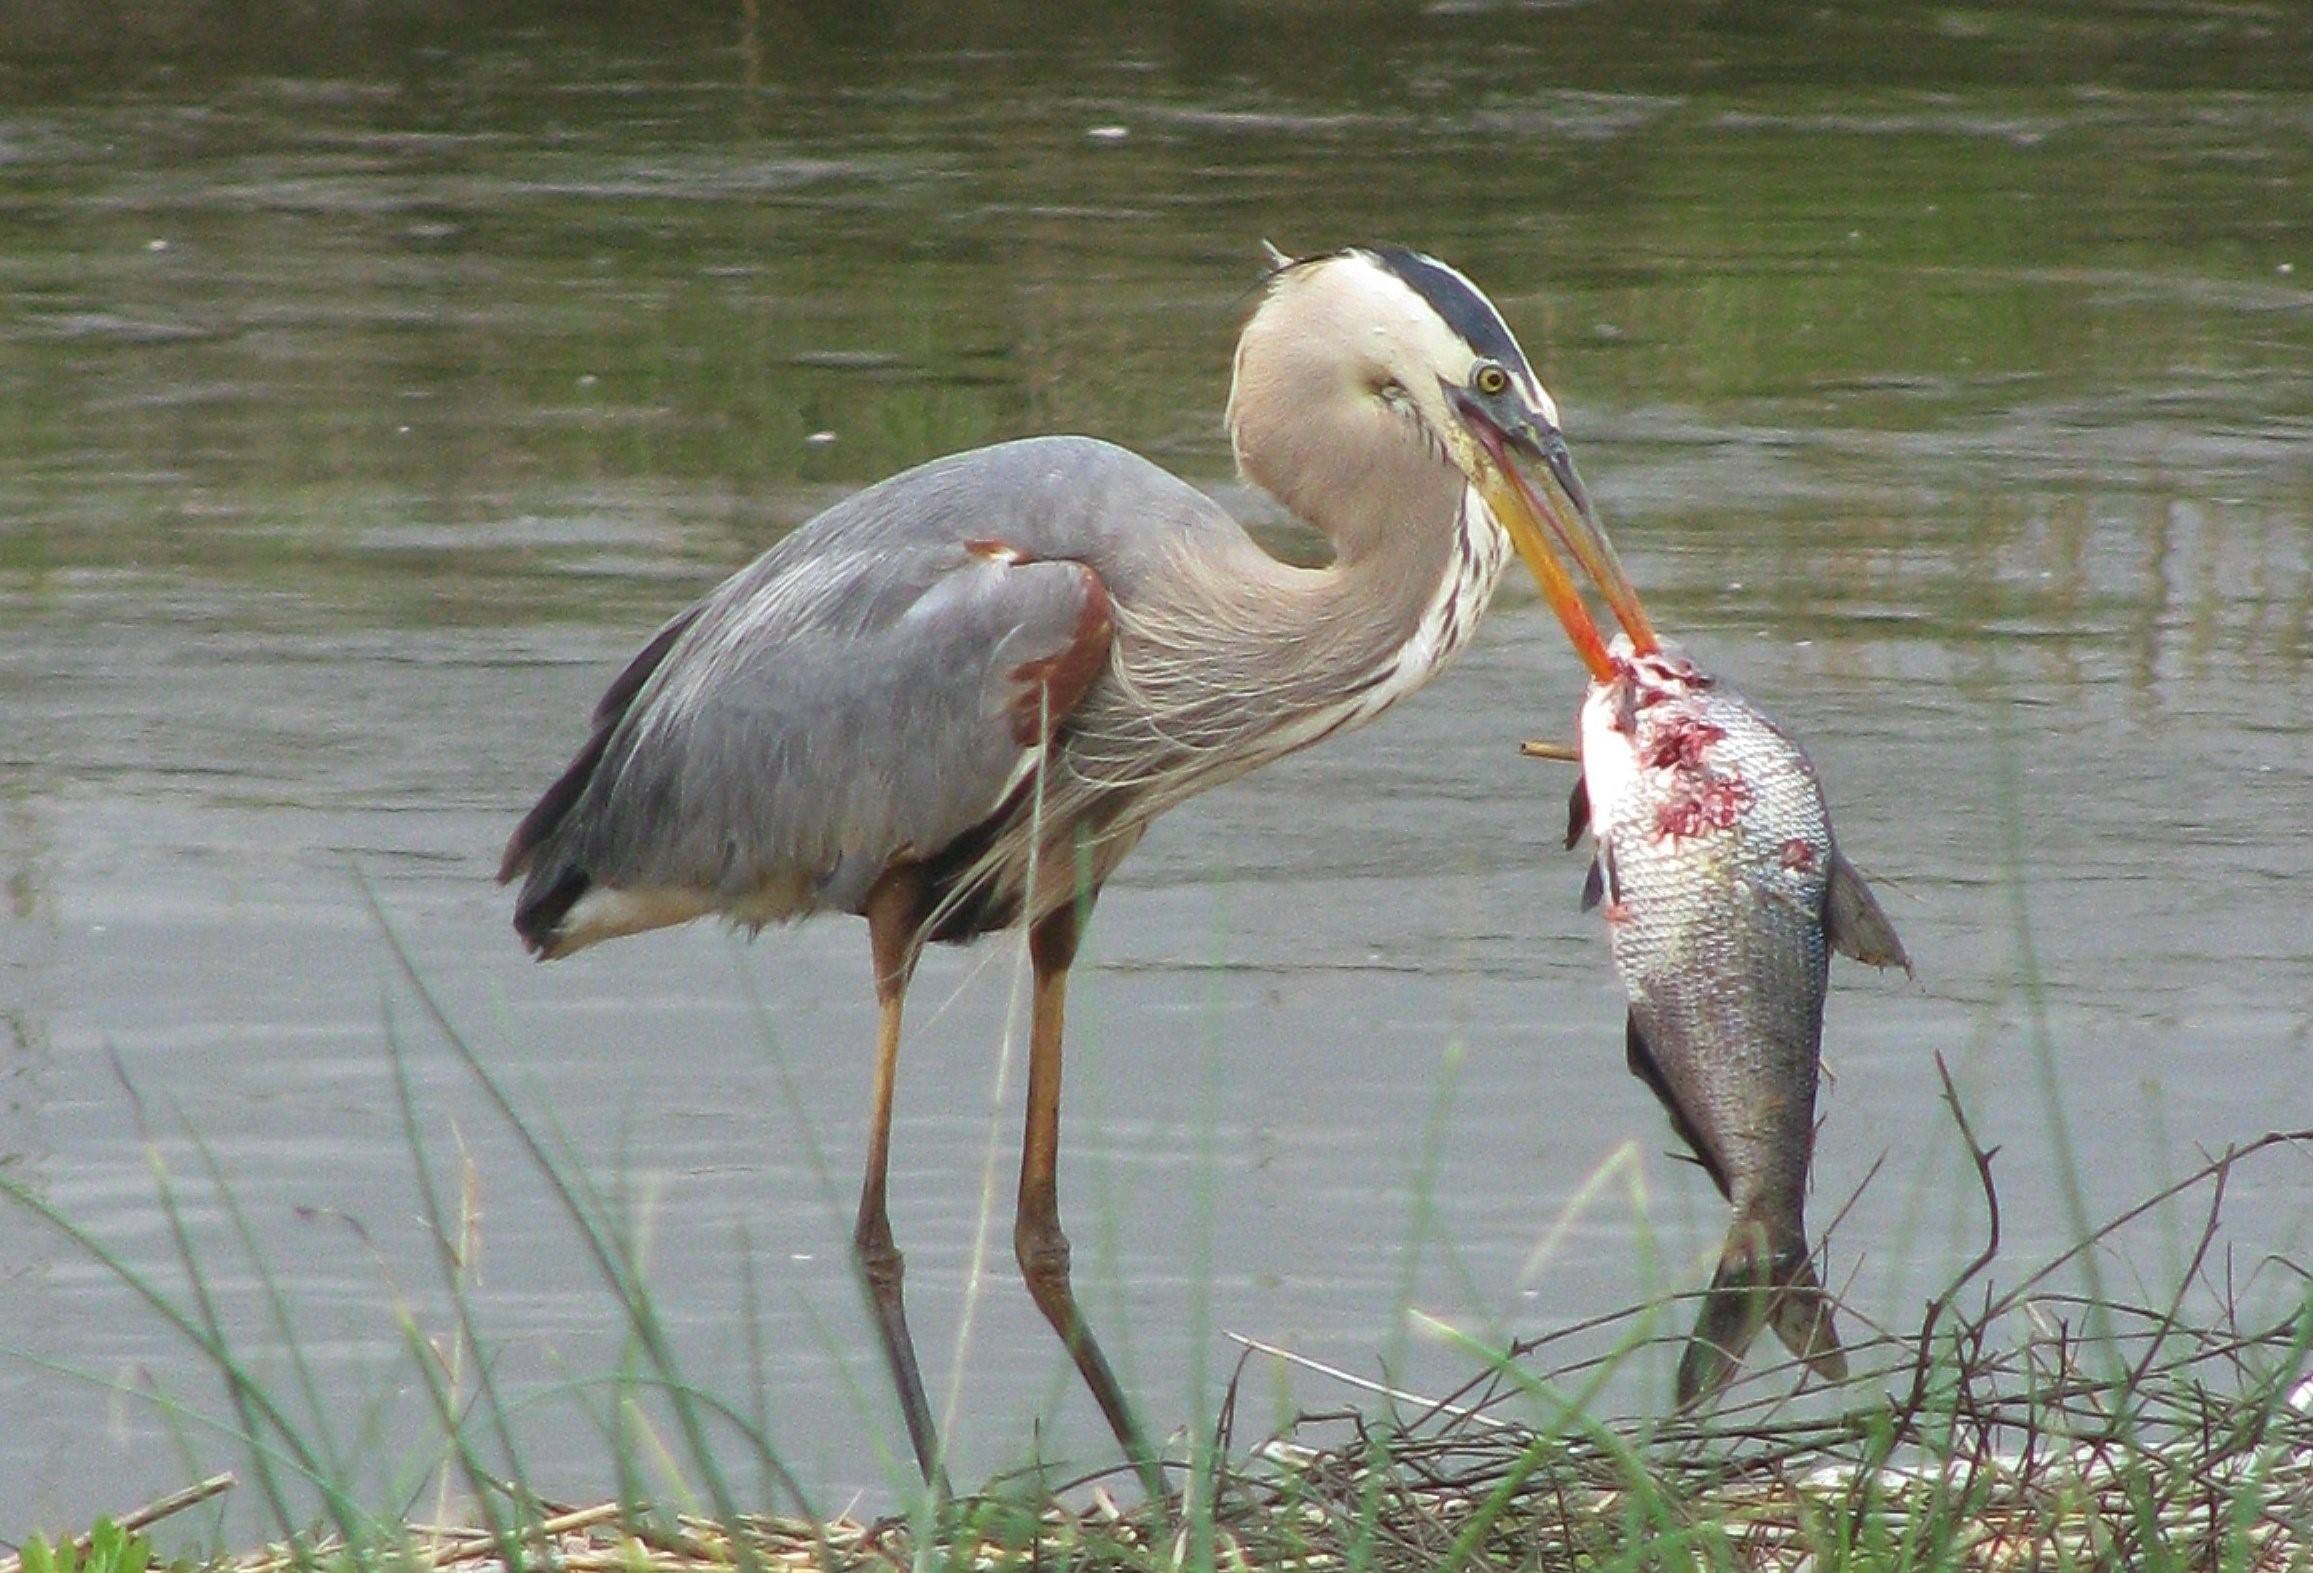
pixel 1244 658
pixel 1388 566
pixel 1279 655
pixel 1401 596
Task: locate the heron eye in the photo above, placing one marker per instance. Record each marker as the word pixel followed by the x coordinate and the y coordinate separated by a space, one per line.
pixel 1490 380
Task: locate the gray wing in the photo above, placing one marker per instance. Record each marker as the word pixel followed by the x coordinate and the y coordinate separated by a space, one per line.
pixel 869 690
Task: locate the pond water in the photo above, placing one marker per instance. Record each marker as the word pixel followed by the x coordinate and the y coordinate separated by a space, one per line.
pixel 368 392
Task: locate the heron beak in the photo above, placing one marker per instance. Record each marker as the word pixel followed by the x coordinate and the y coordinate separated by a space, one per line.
pixel 1536 494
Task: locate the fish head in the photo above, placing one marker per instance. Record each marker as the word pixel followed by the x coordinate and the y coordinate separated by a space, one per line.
pixel 1671 754
pixel 1639 682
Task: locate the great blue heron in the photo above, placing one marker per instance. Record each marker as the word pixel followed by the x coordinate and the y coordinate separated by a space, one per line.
pixel 953 703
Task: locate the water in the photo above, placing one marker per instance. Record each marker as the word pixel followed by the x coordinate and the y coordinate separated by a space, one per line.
pixel 364 403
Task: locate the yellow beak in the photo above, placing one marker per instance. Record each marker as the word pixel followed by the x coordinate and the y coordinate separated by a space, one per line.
pixel 1534 492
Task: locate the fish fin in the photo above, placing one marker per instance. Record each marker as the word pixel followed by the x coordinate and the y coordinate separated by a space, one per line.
pixel 1854 923
pixel 1577 812
pixel 1648 1069
pixel 1758 1286
pixel 1593 886
pixel 1734 1309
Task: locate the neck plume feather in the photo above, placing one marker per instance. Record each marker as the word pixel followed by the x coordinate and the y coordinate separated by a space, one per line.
pixel 1246 660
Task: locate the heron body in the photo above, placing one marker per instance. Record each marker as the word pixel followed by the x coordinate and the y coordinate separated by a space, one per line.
pixel 894 680
pixel 953 702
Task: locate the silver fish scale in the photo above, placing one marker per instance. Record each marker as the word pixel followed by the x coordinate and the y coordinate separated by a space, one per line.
pixel 1716 850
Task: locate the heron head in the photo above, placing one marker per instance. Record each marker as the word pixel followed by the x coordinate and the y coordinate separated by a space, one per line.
pixel 1365 373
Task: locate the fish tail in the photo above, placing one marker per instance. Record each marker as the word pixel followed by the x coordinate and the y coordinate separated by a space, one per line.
pixel 1761 1282
pixel 1801 1317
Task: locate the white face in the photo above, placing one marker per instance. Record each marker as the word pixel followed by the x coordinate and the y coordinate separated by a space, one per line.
pixel 1344 372
pixel 1407 347
pixel 1410 335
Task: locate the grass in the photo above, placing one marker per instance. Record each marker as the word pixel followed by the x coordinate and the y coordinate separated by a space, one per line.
pixel 2029 1425
pixel 2000 1447
pixel 110 1547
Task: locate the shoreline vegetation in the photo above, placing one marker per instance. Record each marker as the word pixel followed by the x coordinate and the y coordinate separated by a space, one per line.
pixel 2019 1427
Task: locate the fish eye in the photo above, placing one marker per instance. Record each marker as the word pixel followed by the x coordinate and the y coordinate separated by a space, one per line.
pixel 1490 379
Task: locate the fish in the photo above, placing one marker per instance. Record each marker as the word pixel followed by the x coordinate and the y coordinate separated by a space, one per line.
pixel 1725 893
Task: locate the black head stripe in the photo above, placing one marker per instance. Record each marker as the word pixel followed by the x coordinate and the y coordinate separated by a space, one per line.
pixel 1466 311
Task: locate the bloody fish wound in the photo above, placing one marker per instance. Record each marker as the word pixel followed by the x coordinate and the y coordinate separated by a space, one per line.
pixel 1725 894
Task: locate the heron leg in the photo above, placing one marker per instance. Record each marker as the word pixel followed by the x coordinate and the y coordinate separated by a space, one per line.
pixel 1036 1236
pixel 894 911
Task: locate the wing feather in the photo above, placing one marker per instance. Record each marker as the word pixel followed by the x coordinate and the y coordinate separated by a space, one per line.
pixel 769 765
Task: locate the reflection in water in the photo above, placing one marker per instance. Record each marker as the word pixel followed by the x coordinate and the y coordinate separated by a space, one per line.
pixel 364 399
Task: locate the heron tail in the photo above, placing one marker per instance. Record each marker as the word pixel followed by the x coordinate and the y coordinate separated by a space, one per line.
pixel 543 904
pixel 555 881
